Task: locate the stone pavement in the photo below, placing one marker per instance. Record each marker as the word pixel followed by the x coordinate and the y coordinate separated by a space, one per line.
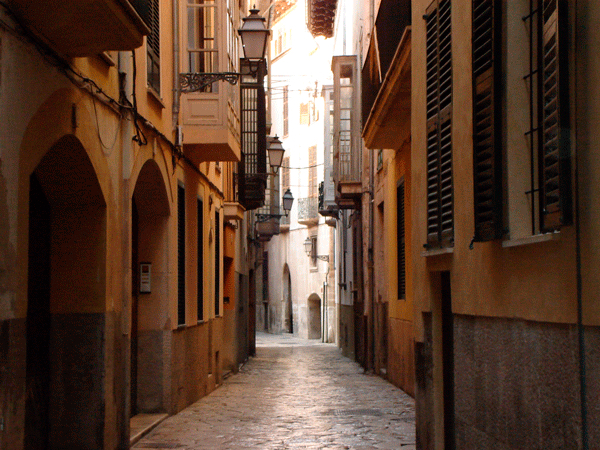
pixel 295 394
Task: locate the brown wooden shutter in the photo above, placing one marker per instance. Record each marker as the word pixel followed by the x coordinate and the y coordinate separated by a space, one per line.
pixel 555 165
pixel 440 195
pixel 487 152
pixel 401 239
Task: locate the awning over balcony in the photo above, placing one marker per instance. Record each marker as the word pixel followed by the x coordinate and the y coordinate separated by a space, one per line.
pixel 321 17
pixel 85 27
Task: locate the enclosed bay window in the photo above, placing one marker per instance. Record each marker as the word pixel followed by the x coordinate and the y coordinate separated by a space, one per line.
pixel 202 50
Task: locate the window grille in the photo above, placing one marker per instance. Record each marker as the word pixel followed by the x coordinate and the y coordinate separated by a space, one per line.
pixel 548 136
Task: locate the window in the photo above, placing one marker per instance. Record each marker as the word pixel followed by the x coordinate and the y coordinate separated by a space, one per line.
pixel 487 120
pixel 202 48
pixel 286 113
pixel 312 172
pixel 200 257
pixel 180 255
pixel 440 203
pixel 554 151
pixel 233 47
pixel 313 251
pixel 549 185
pixel 304 114
pixel 400 238
pixel 285 174
pixel 217 263
pixel 153 47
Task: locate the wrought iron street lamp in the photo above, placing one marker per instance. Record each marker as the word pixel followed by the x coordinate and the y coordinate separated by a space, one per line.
pixel 287 200
pixel 254 35
pixel 308 248
pixel 276 151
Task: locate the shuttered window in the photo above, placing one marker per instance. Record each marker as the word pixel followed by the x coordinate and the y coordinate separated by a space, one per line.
pixel 487 151
pixel 312 172
pixel 200 266
pixel 217 263
pixel 440 203
pixel 286 114
pixel 180 255
pixel 554 157
pixel 153 47
pixel 400 237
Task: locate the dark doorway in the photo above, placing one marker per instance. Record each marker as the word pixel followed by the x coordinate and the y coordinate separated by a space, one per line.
pixel 448 361
pixel 65 336
pixel 38 320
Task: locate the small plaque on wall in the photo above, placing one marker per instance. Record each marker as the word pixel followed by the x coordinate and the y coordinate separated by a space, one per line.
pixel 145 278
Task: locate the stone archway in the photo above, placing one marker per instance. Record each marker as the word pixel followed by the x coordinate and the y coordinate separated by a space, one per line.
pixel 314 316
pixel 288 308
pixel 149 303
pixel 66 301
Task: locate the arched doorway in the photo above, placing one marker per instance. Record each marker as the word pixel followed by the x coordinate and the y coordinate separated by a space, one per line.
pixel 314 317
pixel 66 301
pixel 288 310
pixel 149 307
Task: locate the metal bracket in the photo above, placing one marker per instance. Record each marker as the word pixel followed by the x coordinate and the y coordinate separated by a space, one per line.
pixel 195 82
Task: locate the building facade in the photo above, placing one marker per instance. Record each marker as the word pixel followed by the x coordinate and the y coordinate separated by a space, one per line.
pixel 124 273
pixel 503 223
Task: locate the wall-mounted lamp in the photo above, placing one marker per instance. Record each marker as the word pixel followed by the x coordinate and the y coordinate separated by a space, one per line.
pixel 309 248
pixel 287 200
pixel 254 35
pixel 276 152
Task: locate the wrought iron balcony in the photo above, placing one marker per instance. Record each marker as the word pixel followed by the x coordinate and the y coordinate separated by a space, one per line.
pixel 85 27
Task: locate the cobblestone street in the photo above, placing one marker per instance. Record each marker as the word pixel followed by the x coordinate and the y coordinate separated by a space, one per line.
pixel 295 394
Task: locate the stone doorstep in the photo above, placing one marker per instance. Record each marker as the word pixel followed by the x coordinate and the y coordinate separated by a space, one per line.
pixel 141 424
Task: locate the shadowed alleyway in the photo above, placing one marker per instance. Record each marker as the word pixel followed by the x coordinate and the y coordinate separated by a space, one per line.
pixel 295 394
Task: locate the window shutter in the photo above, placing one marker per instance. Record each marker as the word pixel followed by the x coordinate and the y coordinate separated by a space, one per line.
pixel 180 255
pixel 487 152
pixel 153 46
pixel 555 170
pixel 440 202
pixel 200 258
pixel 400 237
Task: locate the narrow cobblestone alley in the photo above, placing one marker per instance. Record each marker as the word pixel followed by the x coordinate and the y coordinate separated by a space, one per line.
pixel 295 394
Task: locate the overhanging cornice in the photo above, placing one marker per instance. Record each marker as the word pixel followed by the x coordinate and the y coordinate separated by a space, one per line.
pixel 388 123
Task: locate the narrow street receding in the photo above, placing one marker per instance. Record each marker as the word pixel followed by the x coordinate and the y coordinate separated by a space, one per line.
pixel 295 394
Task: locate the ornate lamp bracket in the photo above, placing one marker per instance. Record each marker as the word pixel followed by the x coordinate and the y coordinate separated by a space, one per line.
pixel 195 82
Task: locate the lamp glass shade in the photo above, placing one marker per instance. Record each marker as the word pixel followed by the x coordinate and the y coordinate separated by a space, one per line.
pixel 254 36
pixel 288 201
pixel 276 152
pixel 308 246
